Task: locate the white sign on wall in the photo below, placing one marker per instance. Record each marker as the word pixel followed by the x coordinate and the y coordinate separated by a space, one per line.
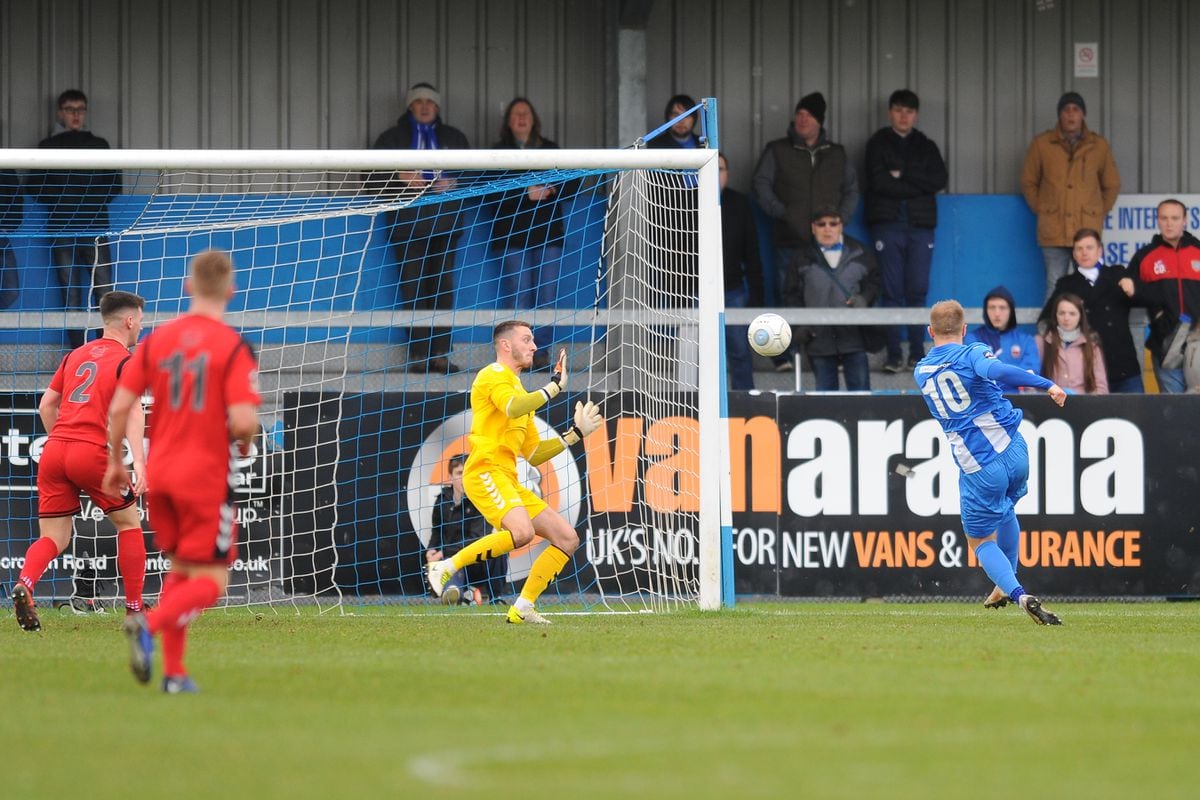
pixel 1087 60
pixel 1133 222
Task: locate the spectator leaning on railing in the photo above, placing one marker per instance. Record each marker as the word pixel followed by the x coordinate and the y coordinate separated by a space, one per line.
pixel 834 271
pixel 1001 334
pixel 1070 350
pixel 1166 280
pixel 1107 308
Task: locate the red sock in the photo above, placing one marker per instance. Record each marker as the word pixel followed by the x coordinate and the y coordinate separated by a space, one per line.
pixel 131 560
pixel 174 642
pixel 37 558
pixel 170 582
pixel 181 602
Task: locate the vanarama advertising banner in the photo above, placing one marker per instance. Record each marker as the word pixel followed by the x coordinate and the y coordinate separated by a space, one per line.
pixel 866 498
pixel 833 495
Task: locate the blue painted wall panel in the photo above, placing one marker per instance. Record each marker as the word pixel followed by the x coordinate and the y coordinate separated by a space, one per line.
pixel 345 263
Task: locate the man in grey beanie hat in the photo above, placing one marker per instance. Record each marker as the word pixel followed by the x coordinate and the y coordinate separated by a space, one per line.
pixel 1070 182
pixel 424 236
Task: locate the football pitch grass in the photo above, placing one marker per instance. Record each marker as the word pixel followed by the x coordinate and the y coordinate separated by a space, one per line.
pixel 770 700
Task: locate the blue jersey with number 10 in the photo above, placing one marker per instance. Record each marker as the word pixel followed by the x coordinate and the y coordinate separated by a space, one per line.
pixel 977 418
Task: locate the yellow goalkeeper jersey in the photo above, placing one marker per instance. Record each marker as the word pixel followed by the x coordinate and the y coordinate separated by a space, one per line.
pixel 496 439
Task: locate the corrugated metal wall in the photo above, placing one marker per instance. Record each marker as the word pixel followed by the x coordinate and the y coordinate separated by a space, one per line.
pixel 297 73
pixel 989 74
pixel 330 73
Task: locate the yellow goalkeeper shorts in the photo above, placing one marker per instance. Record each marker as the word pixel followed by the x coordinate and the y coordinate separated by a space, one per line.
pixel 495 492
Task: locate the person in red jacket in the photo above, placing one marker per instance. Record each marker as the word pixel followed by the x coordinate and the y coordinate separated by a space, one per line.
pixel 1166 280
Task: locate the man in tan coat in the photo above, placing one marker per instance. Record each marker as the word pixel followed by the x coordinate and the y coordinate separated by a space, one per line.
pixel 1070 181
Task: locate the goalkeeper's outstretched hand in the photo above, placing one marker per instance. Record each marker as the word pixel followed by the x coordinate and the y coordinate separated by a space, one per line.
pixel 588 418
pixel 559 375
pixel 558 378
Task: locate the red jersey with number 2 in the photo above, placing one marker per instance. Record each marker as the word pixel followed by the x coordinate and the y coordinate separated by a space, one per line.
pixel 195 367
pixel 87 379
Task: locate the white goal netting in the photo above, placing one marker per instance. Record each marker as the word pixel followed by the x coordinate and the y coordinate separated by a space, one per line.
pixel 369 295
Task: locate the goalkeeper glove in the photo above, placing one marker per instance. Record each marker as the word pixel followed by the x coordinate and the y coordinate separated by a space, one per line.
pixel 558 378
pixel 588 420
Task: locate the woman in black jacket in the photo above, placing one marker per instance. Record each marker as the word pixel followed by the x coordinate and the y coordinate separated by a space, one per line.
pixel 1107 308
pixel 528 228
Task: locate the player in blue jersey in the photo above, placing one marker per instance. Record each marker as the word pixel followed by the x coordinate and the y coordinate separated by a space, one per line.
pixel 960 385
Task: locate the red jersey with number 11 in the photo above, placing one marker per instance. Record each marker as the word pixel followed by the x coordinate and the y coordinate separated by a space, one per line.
pixel 87 380
pixel 195 367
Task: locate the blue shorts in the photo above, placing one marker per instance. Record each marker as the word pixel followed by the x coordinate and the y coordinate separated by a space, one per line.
pixel 987 497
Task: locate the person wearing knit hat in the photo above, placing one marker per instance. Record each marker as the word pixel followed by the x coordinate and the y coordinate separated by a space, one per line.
pixel 1071 99
pixel 814 104
pixel 424 236
pixel 1070 181
pixel 795 175
pixel 422 91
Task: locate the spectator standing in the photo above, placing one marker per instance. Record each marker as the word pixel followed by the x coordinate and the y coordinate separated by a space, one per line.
pixel 12 213
pixel 424 236
pixel 681 135
pixel 1107 308
pixel 1166 279
pixel 1070 351
pixel 528 228
pixel 77 202
pixel 796 175
pixel 905 171
pixel 674 233
pixel 743 276
pixel 1001 334
pixel 834 271
pixel 1070 181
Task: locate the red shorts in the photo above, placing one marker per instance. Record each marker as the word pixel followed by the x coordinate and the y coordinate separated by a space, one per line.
pixel 193 529
pixel 67 468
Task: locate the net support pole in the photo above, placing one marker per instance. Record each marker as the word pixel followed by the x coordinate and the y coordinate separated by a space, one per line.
pixel 714 424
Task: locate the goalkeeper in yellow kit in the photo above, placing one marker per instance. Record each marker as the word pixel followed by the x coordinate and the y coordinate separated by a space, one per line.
pixel 502 428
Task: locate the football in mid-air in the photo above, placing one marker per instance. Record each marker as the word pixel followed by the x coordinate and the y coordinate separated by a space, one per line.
pixel 769 334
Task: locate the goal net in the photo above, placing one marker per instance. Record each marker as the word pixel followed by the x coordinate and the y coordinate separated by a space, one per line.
pixel 368 284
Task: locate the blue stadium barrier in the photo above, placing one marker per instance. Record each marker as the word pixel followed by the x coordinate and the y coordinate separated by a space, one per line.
pixel 982 240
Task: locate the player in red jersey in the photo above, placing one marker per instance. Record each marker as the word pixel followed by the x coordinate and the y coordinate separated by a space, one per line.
pixel 204 380
pixel 74 410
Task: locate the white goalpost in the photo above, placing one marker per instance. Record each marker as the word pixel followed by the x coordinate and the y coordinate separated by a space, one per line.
pixel 368 284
